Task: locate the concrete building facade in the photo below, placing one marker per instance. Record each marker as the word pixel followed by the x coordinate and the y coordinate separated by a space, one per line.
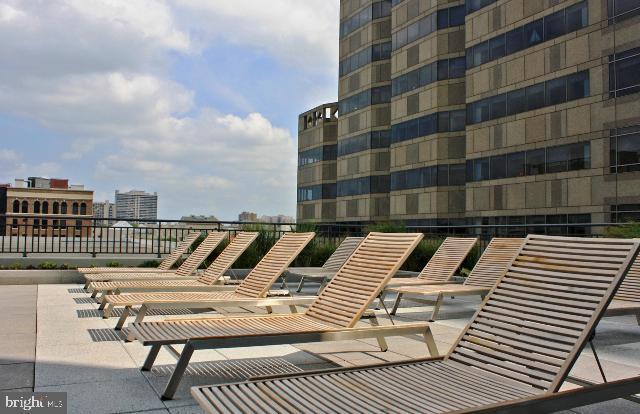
pixel 45 207
pixel 106 211
pixel 137 205
pixel 501 112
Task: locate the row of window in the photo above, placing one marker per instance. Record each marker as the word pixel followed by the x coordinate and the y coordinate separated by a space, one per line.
pixel 441 19
pixel 316 192
pixel 533 162
pixel 619 10
pixel 436 175
pixel 625 149
pixel 325 153
pixel 475 5
pixel 362 58
pixel 375 11
pixel 551 92
pixel 364 185
pixel 433 72
pixel 447 121
pixel 363 142
pixel 57 224
pixel 623 213
pixel 394 3
pixel 374 96
pixel 531 34
pixel 624 73
pixel 43 208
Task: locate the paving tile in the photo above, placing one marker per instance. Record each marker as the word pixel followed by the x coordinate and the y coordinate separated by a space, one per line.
pixel 108 397
pixel 17 324
pixel 262 351
pixel 66 364
pixel 619 406
pixel 18 347
pixel 16 376
pixel 190 409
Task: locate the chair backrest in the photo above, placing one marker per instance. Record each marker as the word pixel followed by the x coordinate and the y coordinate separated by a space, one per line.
pixel 229 255
pixel 494 262
pixel 342 253
pixel 362 277
pixel 201 253
pixel 630 288
pixel 273 264
pixel 536 320
pixel 447 259
pixel 181 248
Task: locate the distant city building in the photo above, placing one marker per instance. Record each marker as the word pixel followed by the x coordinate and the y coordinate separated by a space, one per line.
pixel 199 218
pixel 278 219
pixel 105 210
pixel 137 205
pixel 246 216
pixel 41 206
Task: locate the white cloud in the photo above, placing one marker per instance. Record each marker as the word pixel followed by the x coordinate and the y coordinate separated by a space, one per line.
pixel 98 71
pixel 303 32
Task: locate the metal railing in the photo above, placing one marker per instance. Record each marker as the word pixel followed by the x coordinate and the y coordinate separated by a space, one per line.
pixel 97 237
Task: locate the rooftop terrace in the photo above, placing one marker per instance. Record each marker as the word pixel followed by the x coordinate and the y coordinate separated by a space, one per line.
pixel 55 340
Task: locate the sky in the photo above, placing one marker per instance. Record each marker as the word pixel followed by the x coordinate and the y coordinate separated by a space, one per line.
pixel 197 100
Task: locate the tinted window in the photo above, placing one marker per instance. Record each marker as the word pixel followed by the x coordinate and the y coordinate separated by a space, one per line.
pixel 457 174
pixel 578 86
pixel 556 91
pixel 624 73
pixel 514 40
pixel 577 17
pixel 516 102
pixel 481 169
pixel 515 164
pixel 497 47
pixel 554 25
pixel 533 33
pixel 535 97
pixel 625 150
pixel 535 162
pixel 498 167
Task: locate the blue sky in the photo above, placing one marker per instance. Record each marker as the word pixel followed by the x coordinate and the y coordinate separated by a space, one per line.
pixel 195 99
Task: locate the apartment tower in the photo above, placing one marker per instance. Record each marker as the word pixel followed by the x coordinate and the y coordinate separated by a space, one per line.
pixel 500 112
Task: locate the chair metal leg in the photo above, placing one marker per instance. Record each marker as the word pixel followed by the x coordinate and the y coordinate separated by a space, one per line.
pixel 381 341
pixel 638 319
pixel 436 307
pixel 300 285
pixel 284 284
pixel 381 298
pixel 151 358
pixel 86 286
pixel 103 300
pixel 178 372
pixel 269 310
pixel 94 293
pixel 123 318
pixel 323 284
pixel 431 343
pixel 396 304
pixel 293 309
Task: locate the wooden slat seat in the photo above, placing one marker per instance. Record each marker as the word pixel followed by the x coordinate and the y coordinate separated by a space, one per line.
pixel 188 267
pixel 204 281
pixel 506 354
pixel 329 268
pixel 331 316
pixel 627 299
pixel 165 266
pixel 444 263
pixel 485 274
pixel 255 285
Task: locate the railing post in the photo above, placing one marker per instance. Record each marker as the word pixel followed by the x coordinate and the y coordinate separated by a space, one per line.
pixel 159 238
pixel 24 247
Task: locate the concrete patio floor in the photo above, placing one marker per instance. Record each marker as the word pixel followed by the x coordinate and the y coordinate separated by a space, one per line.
pixel 54 339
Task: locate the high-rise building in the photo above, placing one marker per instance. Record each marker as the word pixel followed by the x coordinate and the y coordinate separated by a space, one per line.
pixel 45 207
pixel 247 217
pixel 317 151
pixel 105 210
pixel 137 205
pixel 488 112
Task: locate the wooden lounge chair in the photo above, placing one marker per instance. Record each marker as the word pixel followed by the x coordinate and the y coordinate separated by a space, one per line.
pixel 332 316
pixel 286 249
pixel 329 268
pixel 165 266
pixel 485 274
pixel 443 265
pixel 627 299
pixel 519 347
pixel 252 291
pixel 188 267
